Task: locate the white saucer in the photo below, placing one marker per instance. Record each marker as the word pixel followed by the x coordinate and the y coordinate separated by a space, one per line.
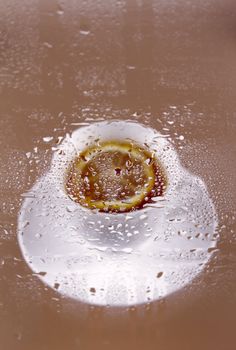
pixel 117 259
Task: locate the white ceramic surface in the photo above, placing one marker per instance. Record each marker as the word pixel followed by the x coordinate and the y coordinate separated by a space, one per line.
pixel 117 259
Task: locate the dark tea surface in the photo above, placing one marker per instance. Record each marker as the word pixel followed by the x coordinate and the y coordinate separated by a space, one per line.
pixel 115 176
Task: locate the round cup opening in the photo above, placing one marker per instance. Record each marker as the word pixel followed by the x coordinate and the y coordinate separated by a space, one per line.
pixel 115 176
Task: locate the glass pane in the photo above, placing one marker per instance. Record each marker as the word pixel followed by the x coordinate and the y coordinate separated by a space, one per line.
pixel 160 74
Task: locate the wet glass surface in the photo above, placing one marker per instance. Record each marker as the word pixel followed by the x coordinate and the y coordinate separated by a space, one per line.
pixel 169 65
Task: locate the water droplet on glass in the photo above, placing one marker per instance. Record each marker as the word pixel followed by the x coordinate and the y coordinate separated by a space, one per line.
pixel 84 32
pixel 47 139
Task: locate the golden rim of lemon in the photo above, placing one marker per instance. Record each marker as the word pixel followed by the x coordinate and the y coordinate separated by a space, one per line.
pixel 114 176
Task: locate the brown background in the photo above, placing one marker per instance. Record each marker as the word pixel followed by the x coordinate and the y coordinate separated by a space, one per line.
pixel 155 61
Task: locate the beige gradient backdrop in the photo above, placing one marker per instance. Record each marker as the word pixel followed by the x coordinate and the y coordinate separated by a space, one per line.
pixel 170 64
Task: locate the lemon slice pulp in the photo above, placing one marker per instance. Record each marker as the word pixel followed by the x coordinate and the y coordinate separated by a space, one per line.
pixel 114 176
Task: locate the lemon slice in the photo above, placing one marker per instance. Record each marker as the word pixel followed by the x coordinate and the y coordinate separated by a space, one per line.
pixel 114 176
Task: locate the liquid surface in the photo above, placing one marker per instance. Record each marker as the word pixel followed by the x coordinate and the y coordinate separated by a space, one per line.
pixel 115 176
